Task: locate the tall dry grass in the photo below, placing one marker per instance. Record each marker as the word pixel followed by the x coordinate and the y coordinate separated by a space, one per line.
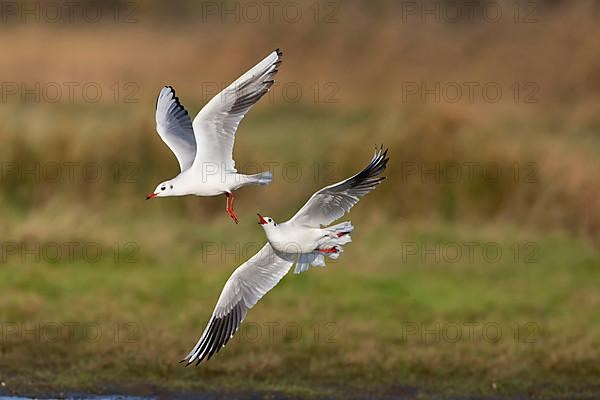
pixel 369 55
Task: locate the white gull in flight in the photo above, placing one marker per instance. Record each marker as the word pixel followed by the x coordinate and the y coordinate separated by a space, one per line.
pixel 204 148
pixel 305 239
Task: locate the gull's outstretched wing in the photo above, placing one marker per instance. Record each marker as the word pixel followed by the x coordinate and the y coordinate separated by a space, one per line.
pixel 246 286
pixel 332 202
pixel 216 123
pixel 175 128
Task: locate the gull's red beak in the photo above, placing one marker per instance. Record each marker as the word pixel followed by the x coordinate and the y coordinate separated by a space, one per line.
pixel 151 196
pixel 261 220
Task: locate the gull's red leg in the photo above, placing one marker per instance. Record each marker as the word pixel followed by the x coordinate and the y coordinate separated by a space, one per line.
pixel 235 218
pixel 229 207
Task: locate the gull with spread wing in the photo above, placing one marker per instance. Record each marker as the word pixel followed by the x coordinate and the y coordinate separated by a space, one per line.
pixel 204 147
pixel 305 239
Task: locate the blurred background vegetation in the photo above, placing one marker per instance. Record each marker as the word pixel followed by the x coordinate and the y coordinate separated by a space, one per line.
pixel 346 84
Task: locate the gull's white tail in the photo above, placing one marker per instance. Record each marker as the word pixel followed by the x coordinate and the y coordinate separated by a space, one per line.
pixel 331 246
pixel 262 178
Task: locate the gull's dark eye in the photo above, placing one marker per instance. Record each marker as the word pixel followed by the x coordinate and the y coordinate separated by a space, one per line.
pixel 163 188
pixel 171 186
pixel 270 220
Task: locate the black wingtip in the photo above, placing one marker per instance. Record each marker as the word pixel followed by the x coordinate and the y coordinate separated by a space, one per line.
pixel 379 151
pixel 279 52
pixel 376 167
pixel 382 153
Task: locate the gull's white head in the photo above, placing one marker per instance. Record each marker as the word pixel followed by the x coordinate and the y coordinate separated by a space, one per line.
pixel 164 189
pixel 267 223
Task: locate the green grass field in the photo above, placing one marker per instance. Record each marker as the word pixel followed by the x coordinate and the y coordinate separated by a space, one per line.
pixel 371 318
